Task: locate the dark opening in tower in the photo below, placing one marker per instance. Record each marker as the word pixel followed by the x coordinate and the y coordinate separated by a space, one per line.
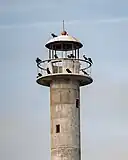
pixel 57 128
pixel 77 103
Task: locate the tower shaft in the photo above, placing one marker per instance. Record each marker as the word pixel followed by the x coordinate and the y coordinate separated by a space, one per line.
pixel 65 119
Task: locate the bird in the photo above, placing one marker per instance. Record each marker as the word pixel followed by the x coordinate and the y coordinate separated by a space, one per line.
pixel 68 70
pixel 38 60
pixel 85 57
pixel 72 56
pixel 90 60
pixel 48 71
pixel 55 55
pixel 84 71
pixel 53 35
pixel 39 75
pixel 69 56
pixel 49 60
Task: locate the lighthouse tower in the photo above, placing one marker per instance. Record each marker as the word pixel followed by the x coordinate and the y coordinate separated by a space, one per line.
pixel 65 71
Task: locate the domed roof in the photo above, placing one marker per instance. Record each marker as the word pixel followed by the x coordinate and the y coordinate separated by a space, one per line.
pixel 69 43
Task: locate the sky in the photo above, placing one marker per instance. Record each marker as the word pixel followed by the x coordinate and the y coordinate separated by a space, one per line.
pixel 25 27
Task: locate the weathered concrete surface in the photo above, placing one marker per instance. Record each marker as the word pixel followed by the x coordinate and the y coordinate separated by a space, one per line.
pixel 65 145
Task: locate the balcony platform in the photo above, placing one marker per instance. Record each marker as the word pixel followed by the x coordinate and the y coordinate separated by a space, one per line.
pixel 82 79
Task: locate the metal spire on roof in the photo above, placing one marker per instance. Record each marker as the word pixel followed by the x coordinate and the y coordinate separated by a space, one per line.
pixel 63 25
pixel 63 32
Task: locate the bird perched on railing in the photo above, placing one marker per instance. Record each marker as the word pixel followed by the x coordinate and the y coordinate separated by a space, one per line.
pixel 39 75
pixel 85 57
pixel 55 55
pixel 53 35
pixel 90 60
pixel 72 56
pixel 49 60
pixel 69 56
pixel 68 70
pixel 38 60
pixel 48 71
pixel 84 71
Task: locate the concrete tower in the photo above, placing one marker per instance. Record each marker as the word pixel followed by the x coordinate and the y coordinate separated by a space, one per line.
pixel 64 72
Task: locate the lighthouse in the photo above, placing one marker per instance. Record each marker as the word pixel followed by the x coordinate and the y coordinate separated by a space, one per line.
pixel 64 72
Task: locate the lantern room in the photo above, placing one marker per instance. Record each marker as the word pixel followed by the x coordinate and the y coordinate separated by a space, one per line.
pixel 63 46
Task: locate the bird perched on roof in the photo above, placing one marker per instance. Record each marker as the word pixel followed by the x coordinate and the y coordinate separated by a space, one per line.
pixel 85 57
pixel 38 60
pixel 90 60
pixel 53 35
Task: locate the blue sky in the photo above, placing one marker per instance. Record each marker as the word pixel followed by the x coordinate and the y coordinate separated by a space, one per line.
pixel 25 27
